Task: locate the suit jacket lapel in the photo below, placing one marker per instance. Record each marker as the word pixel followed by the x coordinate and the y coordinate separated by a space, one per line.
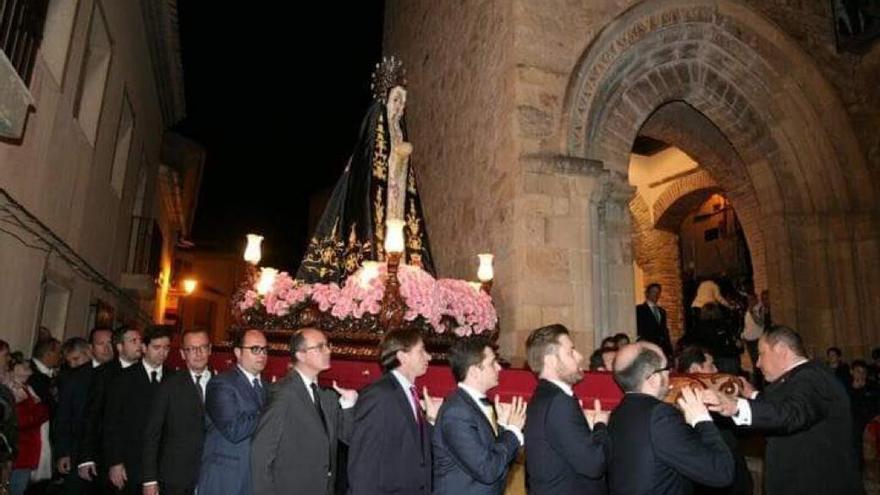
pixel 402 399
pixel 477 408
pixel 248 387
pixel 299 390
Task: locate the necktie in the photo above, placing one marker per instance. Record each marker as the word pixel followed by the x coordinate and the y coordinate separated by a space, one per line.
pixel 199 386
pixel 258 387
pixel 656 312
pixel 418 410
pixel 154 377
pixel 493 416
pixel 316 398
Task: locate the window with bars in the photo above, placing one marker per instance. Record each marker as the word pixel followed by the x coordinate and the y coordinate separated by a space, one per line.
pixel 21 31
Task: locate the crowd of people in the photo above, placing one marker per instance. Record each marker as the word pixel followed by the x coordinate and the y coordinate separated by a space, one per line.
pixel 117 419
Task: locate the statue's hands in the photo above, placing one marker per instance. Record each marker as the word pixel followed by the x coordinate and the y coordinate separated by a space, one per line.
pixel 404 149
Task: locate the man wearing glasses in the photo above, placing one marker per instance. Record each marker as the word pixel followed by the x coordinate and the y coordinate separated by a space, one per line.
pixel 233 401
pixel 175 428
pixel 654 448
pixel 294 447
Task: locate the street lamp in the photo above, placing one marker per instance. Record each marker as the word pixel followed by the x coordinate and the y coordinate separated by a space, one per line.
pixel 189 286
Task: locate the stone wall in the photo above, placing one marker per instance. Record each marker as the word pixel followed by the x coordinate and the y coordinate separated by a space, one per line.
pixel 789 128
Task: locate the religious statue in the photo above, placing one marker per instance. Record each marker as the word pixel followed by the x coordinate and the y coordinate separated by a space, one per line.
pixel 378 184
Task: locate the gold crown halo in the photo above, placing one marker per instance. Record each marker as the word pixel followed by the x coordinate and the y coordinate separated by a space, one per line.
pixel 388 73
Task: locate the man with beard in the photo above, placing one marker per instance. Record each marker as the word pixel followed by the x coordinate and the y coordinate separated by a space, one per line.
pixel 655 449
pixel 90 452
pixel 565 455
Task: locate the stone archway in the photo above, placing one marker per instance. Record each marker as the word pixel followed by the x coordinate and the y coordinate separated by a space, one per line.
pixel 786 152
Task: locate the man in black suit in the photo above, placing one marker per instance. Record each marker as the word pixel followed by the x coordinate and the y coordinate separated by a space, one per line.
pixel 475 442
pixel 697 360
pixel 45 361
pixel 805 414
pixel 302 417
pixel 390 450
pixel 565 455
pixel 68 425
pixel 90 456
pixel 128 405
pixel 654 450
pixel 175 429
pixel 651 320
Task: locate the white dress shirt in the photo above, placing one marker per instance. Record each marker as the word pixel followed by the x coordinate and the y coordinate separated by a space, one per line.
pixel 564 386
pixel 43 368
pixel 150 371
pixel 250 377
pixel 203 383
pixel 345 404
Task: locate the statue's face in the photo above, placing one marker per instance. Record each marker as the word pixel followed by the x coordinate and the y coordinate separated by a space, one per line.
pixel 396 103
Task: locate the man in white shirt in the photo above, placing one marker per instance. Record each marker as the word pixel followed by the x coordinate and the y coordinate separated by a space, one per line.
pixel 475 440
pixel 805 414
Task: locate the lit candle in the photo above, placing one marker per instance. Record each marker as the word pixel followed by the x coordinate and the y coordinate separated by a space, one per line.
pixel 476 285
pixel 252 252
pixel 485 272
pixel 267 280
pixel 394 236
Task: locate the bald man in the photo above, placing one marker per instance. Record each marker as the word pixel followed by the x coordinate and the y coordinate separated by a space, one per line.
pixel 655 448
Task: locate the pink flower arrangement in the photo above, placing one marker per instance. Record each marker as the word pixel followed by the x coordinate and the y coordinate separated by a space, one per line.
pixel 471 309
pixel 441 303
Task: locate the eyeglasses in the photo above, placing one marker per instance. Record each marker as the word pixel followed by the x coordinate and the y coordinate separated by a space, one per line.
pixel 201 349
pixel 256 349
pixel 323 346
pixel 661 370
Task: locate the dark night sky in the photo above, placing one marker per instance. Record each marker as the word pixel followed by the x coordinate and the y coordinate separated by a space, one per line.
pixel 275 94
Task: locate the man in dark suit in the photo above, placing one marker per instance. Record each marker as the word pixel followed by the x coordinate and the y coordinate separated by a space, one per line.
pixel 565 455
pixel 302 417
pixel 805 414
pixel 175 429
pixel 45 361
pixel 654 450
pixel 475 442
pixel 651 320
pixel 68 425
pixel 128 403
pixel 90 456
pixel 233 402
pixel 698 360
pixel 390 450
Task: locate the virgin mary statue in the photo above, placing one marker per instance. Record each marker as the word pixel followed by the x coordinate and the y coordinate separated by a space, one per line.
pixel 378 184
